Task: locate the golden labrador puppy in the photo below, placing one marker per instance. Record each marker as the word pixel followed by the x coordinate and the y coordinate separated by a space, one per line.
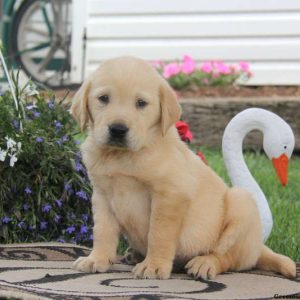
pixel 148 185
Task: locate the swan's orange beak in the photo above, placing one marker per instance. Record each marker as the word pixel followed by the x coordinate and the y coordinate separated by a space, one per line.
pixel 280 165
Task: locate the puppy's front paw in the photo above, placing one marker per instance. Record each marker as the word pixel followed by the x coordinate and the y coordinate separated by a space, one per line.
pixel 153 269
pixel 92 264
pixel 206 267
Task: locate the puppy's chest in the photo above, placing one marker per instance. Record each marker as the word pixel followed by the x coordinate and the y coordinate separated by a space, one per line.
pixel 128 198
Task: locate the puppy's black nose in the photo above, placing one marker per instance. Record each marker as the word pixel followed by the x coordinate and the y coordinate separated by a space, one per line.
pixel 118 130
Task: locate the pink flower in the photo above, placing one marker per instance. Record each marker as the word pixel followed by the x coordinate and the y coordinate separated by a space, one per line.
pixel 188 65
pixel 171 70
pixel 250 74
pixel 222 68
pixel 206 67
pixel 235 68
pixel 244 66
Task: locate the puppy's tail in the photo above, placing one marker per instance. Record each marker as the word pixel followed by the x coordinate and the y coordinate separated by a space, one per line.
pixel 271 261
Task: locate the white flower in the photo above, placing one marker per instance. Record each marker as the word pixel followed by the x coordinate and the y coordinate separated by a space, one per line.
pixel 19 144
pixel 31 106
pixel 10 143
pixel 13 159
pixel 2 155
pixel 30 90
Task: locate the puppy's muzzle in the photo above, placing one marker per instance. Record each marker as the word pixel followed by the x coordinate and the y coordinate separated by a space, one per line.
pixel 117 134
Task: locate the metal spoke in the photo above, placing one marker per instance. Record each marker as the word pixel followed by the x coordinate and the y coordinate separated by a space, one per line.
pixel 47 59
pixel 46 18
pixel 37 31
pixel 55 14
pixel 35 48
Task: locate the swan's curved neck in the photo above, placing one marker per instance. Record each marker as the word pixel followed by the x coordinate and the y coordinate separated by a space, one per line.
pixel 237 169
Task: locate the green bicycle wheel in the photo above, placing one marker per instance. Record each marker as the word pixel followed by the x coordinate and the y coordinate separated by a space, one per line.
pixel 41 41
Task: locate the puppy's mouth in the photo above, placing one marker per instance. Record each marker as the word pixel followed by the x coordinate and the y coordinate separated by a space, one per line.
pixel 117 143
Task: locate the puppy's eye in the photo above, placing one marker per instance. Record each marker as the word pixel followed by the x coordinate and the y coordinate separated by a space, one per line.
pixel 104 99
pixel 140 103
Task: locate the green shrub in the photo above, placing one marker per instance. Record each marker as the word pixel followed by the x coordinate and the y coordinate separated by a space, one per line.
pixel 44 189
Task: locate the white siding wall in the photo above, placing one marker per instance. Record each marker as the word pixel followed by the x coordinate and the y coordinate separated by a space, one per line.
pixel 265 33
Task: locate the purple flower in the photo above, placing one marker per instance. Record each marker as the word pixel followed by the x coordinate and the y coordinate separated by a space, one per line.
pixel 78 166
pixel 82 195
pixel 51 104
pixel 71 215
pixel 58 125
pixel 68 188
pixel 16 124
pixel 26 206
pixel 60 141
pixel 65 138
pixel 85 217
pixel 46 208
pixel 77 142
pixel 22 225
pixel 31 228
pixel 36 114
pixel 58 202
pixel 57 218
pixel 91 237
pixel 28 191
pixel 70 229
pixel 43 225
pixel 77 237
pixel 61 240
pixel 39 139
pixel 6 220
pixel 84 229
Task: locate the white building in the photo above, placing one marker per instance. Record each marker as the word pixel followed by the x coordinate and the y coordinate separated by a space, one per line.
pixel 266 33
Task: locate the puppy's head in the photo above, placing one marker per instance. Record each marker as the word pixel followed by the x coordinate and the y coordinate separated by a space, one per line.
pixel 126 103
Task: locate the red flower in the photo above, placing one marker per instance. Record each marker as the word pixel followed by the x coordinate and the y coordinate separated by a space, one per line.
pixel 201 155
pixel 184 131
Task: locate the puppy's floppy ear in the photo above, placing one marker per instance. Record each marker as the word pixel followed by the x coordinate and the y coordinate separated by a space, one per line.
pixel 170 108
pixel 79 108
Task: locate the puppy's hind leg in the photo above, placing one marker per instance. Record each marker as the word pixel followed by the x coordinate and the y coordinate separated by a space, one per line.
pixel 240 212
pixel 208 266
pixel 236 248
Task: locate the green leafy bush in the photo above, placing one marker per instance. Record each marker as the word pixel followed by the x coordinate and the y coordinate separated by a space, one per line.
pixel 44 189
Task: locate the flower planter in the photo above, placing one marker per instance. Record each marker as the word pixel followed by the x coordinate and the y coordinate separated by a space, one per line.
pixel 208 117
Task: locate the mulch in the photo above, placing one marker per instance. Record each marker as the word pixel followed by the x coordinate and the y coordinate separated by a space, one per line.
pixel 241 91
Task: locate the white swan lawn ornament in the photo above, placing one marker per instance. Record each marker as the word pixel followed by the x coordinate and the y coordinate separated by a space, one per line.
pixel 278 144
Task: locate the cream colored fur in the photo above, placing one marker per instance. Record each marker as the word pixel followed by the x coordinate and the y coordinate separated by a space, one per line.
pixel 156 191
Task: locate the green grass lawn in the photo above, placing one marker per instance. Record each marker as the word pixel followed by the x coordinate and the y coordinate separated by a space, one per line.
pixel 284 201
